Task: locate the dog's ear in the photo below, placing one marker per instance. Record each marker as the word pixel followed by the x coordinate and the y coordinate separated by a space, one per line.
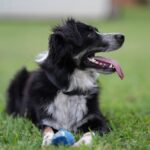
pixel 55 40
pixel 58 47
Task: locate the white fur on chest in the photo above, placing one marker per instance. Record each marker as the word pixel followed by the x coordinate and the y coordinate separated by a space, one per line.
pixel 67 111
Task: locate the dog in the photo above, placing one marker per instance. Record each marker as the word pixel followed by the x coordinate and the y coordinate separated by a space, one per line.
pixel 63 92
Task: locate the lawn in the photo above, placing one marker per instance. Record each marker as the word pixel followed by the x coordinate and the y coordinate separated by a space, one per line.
pixel 125 103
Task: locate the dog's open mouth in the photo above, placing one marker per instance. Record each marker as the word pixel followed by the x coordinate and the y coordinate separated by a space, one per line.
pixel 104 65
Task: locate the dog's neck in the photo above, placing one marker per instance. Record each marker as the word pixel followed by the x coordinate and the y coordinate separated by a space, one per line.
pixel 81 82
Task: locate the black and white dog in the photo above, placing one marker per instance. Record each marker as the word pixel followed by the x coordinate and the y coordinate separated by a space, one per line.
pixel 63 92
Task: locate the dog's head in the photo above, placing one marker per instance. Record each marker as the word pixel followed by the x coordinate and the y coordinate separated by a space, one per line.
pixel 74 45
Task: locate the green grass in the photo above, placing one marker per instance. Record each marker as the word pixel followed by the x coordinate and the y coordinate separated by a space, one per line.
pixel 125 103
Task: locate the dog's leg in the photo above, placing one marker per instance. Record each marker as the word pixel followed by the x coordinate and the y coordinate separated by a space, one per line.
pixel 48 134
pixel 95 123
pixel 86 139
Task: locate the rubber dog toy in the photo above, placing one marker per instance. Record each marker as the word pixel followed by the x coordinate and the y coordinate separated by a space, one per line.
pixel 64 137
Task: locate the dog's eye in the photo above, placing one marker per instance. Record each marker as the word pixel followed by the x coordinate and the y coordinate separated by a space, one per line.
pixel 91 35
pixel 90 29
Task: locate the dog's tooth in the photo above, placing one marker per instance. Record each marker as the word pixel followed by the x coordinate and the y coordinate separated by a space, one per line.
pixel 90 59
pixel 96 62
pixel 111 66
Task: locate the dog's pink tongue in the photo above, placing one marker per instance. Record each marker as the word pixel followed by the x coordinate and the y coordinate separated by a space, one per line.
pixel 114 63
pixel 118 69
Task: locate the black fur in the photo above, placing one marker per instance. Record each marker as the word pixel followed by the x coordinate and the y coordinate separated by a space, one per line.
pixel 30 92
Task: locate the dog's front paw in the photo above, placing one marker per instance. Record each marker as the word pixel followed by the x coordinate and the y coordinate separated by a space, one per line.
pixel 47 140
pixel 47 137
pixel 86 139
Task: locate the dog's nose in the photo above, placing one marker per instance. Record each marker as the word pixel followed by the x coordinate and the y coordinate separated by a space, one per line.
pixel 119 38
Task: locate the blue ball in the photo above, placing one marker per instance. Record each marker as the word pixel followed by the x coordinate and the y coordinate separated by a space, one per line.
pixel 63 137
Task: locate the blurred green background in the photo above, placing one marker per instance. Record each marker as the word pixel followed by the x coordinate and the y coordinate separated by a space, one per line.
pixel 125 103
